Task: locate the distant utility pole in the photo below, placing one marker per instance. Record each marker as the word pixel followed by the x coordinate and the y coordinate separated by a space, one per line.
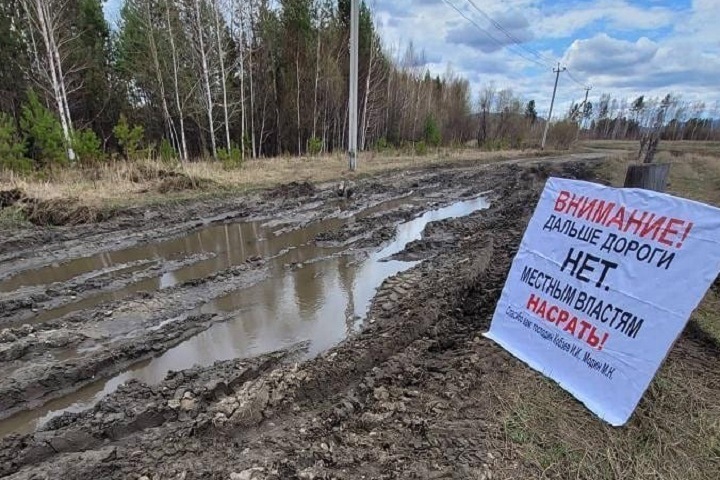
pixel 584 112
pixel 587 92
pixel 353 102
pixel 552 103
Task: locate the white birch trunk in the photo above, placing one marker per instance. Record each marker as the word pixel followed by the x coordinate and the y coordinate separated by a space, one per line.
pixel 158 74
pixel 243 121
pixel 47 33
pixel 252 106
pixel 206 79
pixel 363 129
pixel 223 77
pixel 178 104
pixel 252 91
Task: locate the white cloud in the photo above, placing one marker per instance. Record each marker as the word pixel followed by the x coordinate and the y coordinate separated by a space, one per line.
pixel 603 54
pixel 619 14
pixel 686 61
pixel 632 47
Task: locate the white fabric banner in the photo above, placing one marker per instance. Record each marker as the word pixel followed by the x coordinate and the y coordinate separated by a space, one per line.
pixel 603 283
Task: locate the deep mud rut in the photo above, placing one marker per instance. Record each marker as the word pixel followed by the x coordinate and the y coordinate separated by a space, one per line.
pixel 332 338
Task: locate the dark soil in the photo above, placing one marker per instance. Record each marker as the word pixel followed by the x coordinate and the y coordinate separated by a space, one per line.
pixel 8 198
pixel 291 190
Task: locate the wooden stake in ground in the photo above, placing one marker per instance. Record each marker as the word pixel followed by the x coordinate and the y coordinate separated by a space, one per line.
pixel 650 176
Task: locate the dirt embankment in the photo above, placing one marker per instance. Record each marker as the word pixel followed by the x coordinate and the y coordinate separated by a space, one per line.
pixel 416 393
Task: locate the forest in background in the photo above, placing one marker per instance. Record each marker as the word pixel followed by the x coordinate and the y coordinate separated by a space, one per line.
pixel 235 79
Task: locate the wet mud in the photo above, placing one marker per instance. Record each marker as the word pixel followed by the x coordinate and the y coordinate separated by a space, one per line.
pixel 309 336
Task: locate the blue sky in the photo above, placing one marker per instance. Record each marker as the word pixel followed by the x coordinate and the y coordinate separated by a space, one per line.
pixel 623 47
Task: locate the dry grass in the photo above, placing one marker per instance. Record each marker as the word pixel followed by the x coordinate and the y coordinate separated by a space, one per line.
pixel 707 315
pixel 270 172
pixel 124 184
pixel 117 183
pixel 694 176
pixel 677 148
pixel 674 433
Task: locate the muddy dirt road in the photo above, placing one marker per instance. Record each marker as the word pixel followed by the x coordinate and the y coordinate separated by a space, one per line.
pixel 287 334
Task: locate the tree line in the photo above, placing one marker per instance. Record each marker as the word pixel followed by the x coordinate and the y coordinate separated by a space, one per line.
pixel 623 119
pixel 236 79
pixel 503 119
pixel 209 78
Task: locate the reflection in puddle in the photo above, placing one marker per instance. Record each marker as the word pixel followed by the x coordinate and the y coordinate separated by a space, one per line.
pixel 226 245
pixel 230 244
pixel 320 300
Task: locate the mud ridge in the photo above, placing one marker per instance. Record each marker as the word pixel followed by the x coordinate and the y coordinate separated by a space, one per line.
pixel 181 397
pixel 56 380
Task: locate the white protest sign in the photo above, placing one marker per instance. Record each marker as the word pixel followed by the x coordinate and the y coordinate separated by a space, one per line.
pixel 603 283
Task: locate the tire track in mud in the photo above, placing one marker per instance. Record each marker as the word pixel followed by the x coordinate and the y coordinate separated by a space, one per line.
pixel 408 309
pixel 382 338
pixel 43 382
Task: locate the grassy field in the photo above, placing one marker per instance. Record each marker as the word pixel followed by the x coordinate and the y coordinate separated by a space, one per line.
pixel 675 432
pixel 674 148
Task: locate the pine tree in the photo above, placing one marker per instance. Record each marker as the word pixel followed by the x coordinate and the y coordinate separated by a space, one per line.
pixel 530 112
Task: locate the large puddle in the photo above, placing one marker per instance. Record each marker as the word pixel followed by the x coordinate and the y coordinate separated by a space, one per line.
pixel 321 298
pixel 223 246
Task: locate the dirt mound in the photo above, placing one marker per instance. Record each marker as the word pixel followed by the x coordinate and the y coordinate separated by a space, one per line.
pixel 59 212
pixel 167 180
pixel 8 198
pixel 181 182
pixel 55 212
pixel 292 190
pixel 143 173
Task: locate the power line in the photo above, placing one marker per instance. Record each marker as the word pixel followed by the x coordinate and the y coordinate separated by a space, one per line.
pixel 510 35
pixel 498 42
pixel 572 77
pixel 541 59
pixel 520 43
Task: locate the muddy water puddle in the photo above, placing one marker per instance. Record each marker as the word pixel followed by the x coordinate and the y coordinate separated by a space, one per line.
pixel 313 294
pixel 220 246
pixel 247 239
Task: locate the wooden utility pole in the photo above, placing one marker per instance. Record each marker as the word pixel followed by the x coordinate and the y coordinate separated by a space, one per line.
pixel 583 113
pixel 353 101
pixel 587 92
pixel 552 103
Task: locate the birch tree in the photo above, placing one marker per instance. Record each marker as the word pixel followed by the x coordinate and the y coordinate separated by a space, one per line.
pixel 205 72
pixel 176 82
pixel 219 35
pixel 46 17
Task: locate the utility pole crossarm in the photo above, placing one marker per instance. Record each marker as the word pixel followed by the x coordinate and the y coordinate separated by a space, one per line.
pixel 557 72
